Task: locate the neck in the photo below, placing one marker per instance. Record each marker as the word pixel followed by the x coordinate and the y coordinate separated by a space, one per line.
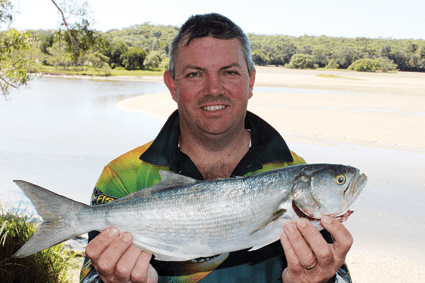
pixel 216 156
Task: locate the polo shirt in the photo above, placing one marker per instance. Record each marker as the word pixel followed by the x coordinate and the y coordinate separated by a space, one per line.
pixel 139 169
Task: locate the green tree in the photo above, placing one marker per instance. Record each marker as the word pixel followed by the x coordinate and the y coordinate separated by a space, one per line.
pixel 46 40
pixel 301 61
pixel 133 58
pixel 114 50
pixel 283 52
pixel 165 61
pixel 346 55
pixel 321 55
pixel 79 35
pixel 259 58
pixel 153 60
pixel 6 11
pixel 58 56
pixel 18 57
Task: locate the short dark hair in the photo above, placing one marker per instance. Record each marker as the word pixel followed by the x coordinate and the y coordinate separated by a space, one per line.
pixel 214 25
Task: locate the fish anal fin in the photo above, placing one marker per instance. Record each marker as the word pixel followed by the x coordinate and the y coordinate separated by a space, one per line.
pixel 258 247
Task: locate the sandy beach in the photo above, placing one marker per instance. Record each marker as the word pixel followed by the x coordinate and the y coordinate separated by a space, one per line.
pixel 340 109
pixel 390 118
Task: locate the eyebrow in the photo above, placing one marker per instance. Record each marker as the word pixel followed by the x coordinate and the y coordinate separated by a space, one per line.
pixel 203 69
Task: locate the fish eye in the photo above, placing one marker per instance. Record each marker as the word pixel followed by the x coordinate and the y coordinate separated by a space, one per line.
pixel 340 179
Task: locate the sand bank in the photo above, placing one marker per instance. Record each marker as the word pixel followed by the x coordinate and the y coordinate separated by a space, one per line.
pixel 337 109
pixel 387 112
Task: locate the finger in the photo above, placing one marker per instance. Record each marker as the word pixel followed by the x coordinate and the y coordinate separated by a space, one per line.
pixel 291 257
pixel 112 254
pixel 299 245
pixel 143 270
pixel 343 238
pixel 126 264
pixel 318 244
pixel 98 245
pixel 152 275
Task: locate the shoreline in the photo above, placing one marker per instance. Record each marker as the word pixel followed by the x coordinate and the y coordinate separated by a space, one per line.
pixel 401 83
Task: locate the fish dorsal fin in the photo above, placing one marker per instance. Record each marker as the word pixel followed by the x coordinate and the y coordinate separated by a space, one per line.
pixel 168 180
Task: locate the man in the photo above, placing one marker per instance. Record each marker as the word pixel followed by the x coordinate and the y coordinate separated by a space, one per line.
pixel 211 77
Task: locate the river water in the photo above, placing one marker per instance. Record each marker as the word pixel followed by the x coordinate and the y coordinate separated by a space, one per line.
pixel 60 133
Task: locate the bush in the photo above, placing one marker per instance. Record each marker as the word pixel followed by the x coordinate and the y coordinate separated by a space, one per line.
pixel 372 65
pixel 365 65
pixel 301 61
pixel 332 64
pixel 50 265
pixel 387 66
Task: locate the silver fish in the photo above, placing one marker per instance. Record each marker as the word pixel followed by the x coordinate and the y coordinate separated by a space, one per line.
pixel 181 218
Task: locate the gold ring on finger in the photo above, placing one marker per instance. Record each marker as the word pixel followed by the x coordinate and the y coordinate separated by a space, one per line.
pixel 311 266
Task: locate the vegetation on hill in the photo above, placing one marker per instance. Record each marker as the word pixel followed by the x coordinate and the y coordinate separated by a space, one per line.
pixel 77 47
pixel 146 46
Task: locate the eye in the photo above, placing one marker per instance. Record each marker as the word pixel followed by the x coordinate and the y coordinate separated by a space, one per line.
pixel 192 75
pixel 340 179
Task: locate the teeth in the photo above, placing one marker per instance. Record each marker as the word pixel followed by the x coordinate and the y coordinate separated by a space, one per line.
pixel 214 108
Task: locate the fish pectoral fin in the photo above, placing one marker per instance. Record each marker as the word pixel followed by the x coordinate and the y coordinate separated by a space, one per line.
pixel 278 213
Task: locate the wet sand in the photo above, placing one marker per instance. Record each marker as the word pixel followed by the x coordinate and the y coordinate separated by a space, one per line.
pixel 375 120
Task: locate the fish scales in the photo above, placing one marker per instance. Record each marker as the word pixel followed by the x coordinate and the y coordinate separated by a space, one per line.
pixel 221 217
pixel 181 218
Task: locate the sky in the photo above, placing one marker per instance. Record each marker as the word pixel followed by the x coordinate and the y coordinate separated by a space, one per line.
pixel 399 19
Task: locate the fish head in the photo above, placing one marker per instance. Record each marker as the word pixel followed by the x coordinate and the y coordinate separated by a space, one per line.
pixel 327 189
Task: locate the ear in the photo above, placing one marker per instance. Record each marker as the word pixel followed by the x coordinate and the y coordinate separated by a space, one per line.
pixel 252 82
pixel 171 84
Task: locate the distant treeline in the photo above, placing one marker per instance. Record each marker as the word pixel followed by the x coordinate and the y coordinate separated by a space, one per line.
pixel 146 46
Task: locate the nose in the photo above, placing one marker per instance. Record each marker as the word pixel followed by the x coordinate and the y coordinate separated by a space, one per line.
pixel 214 85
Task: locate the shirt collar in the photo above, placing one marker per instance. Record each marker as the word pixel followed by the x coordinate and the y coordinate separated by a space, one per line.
pixel 267 146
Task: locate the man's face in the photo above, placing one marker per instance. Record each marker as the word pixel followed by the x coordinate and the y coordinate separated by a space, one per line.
pixel 211 86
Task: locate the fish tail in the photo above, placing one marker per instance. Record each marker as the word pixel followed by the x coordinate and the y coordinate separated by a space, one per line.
pixel 59 215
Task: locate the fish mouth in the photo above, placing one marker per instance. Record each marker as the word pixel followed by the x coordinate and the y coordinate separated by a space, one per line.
pixel 356 186
pixel 341 217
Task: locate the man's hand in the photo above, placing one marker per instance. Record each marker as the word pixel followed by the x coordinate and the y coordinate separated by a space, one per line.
pixel 310 258
pixel 116 260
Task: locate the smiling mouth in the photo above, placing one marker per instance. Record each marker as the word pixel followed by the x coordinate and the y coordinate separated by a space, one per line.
pixel 214 107
pixel 341 218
